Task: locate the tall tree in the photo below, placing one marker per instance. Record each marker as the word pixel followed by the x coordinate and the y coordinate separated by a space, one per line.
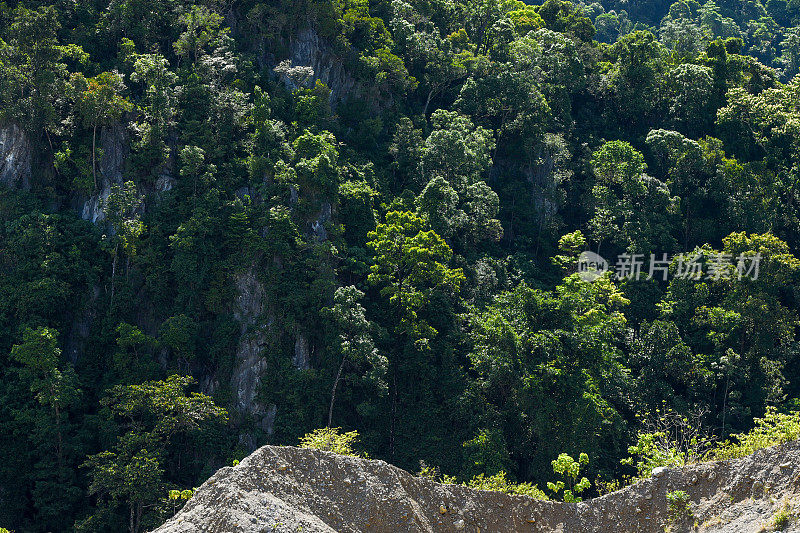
pixel 132 475
pixel 34 75
pixel 202 30
pixel 621 190
pixel 159 107
pixel 50 393
pixel 121 209
pixel 355 344
pixel 99 103
pixel 410 264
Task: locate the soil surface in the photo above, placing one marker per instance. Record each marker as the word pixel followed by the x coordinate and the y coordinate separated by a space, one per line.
pixel 286 489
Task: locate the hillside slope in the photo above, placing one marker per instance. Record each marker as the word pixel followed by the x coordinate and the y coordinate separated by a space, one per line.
pixel 285 489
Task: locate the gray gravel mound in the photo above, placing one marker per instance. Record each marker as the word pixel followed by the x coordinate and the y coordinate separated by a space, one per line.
pixel 286 489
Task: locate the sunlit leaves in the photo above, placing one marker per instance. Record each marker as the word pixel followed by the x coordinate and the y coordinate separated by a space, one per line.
pixel 410 262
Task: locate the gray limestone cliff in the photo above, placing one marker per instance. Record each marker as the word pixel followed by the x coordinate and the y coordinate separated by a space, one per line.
pixel 15 157
pixel 307 49
pixel 114 144
pixel 249 366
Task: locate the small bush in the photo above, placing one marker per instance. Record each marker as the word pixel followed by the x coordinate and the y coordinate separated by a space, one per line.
pixel 434 474
pixel 331 440
pixel 669 440
pixel 775 428
pixel 499 483
pixel 782 518
pixel 569 469
pixel 179 494
pixel 678 506
pixel 604 487
pixel 428 472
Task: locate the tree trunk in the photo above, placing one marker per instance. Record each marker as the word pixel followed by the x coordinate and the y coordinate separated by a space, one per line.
pixel 113 276
pixel 59 441
pixel 394 412
pixel 427 102
pixel 394 367
pixel 94 151
pixel 725 403
pixel 686 228
pixel 333 391
pixel 138 524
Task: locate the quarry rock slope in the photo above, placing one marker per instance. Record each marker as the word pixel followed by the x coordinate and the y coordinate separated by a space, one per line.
pixel 285 489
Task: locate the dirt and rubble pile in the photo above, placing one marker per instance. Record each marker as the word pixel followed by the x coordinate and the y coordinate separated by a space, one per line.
pixel 285 489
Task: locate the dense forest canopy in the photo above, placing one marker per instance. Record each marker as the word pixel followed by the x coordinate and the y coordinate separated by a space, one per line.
pixel 226 224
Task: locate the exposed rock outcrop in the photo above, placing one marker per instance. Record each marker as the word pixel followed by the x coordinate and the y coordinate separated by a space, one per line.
pixel 302 353
pixel 15 157
pixel 165 182
pixel 250 366
pixel 318 231
pixel 115 148
pixel 307 49
pixel 285 489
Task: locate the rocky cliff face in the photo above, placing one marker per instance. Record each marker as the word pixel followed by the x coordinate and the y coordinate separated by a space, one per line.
pixel 313 54
pixel 307 49
pixel 114 144
pixel 249 305
pixel 284 489
pixel 249 366
pixel 15 157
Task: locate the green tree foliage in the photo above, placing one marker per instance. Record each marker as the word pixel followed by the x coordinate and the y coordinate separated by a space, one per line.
pixel 269 144
pixel 690 93
pixel 179 333
pixel 499 483
pixel 631 209
pixel 316 158
pixel 371 214
pixel 487 453
pixel 410 262
pixel 738 323
pixel 435 60
pixel 331 440
pixel 668 440
pixel 120 208
pixel 569 469
pixel 99 103
pixel 202 32
pixel 456 149
pixel 411 268
pixel 130 360
pixel 49 391
pixel 34 73
pixel 158 109
pixel 456 202
pixel 356 346
pixel 532 346
pixel 636 81
pixel 132 475
pixel 773 429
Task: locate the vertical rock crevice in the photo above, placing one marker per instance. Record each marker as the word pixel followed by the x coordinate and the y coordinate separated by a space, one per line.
pixel 249 367
pixel 15 157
